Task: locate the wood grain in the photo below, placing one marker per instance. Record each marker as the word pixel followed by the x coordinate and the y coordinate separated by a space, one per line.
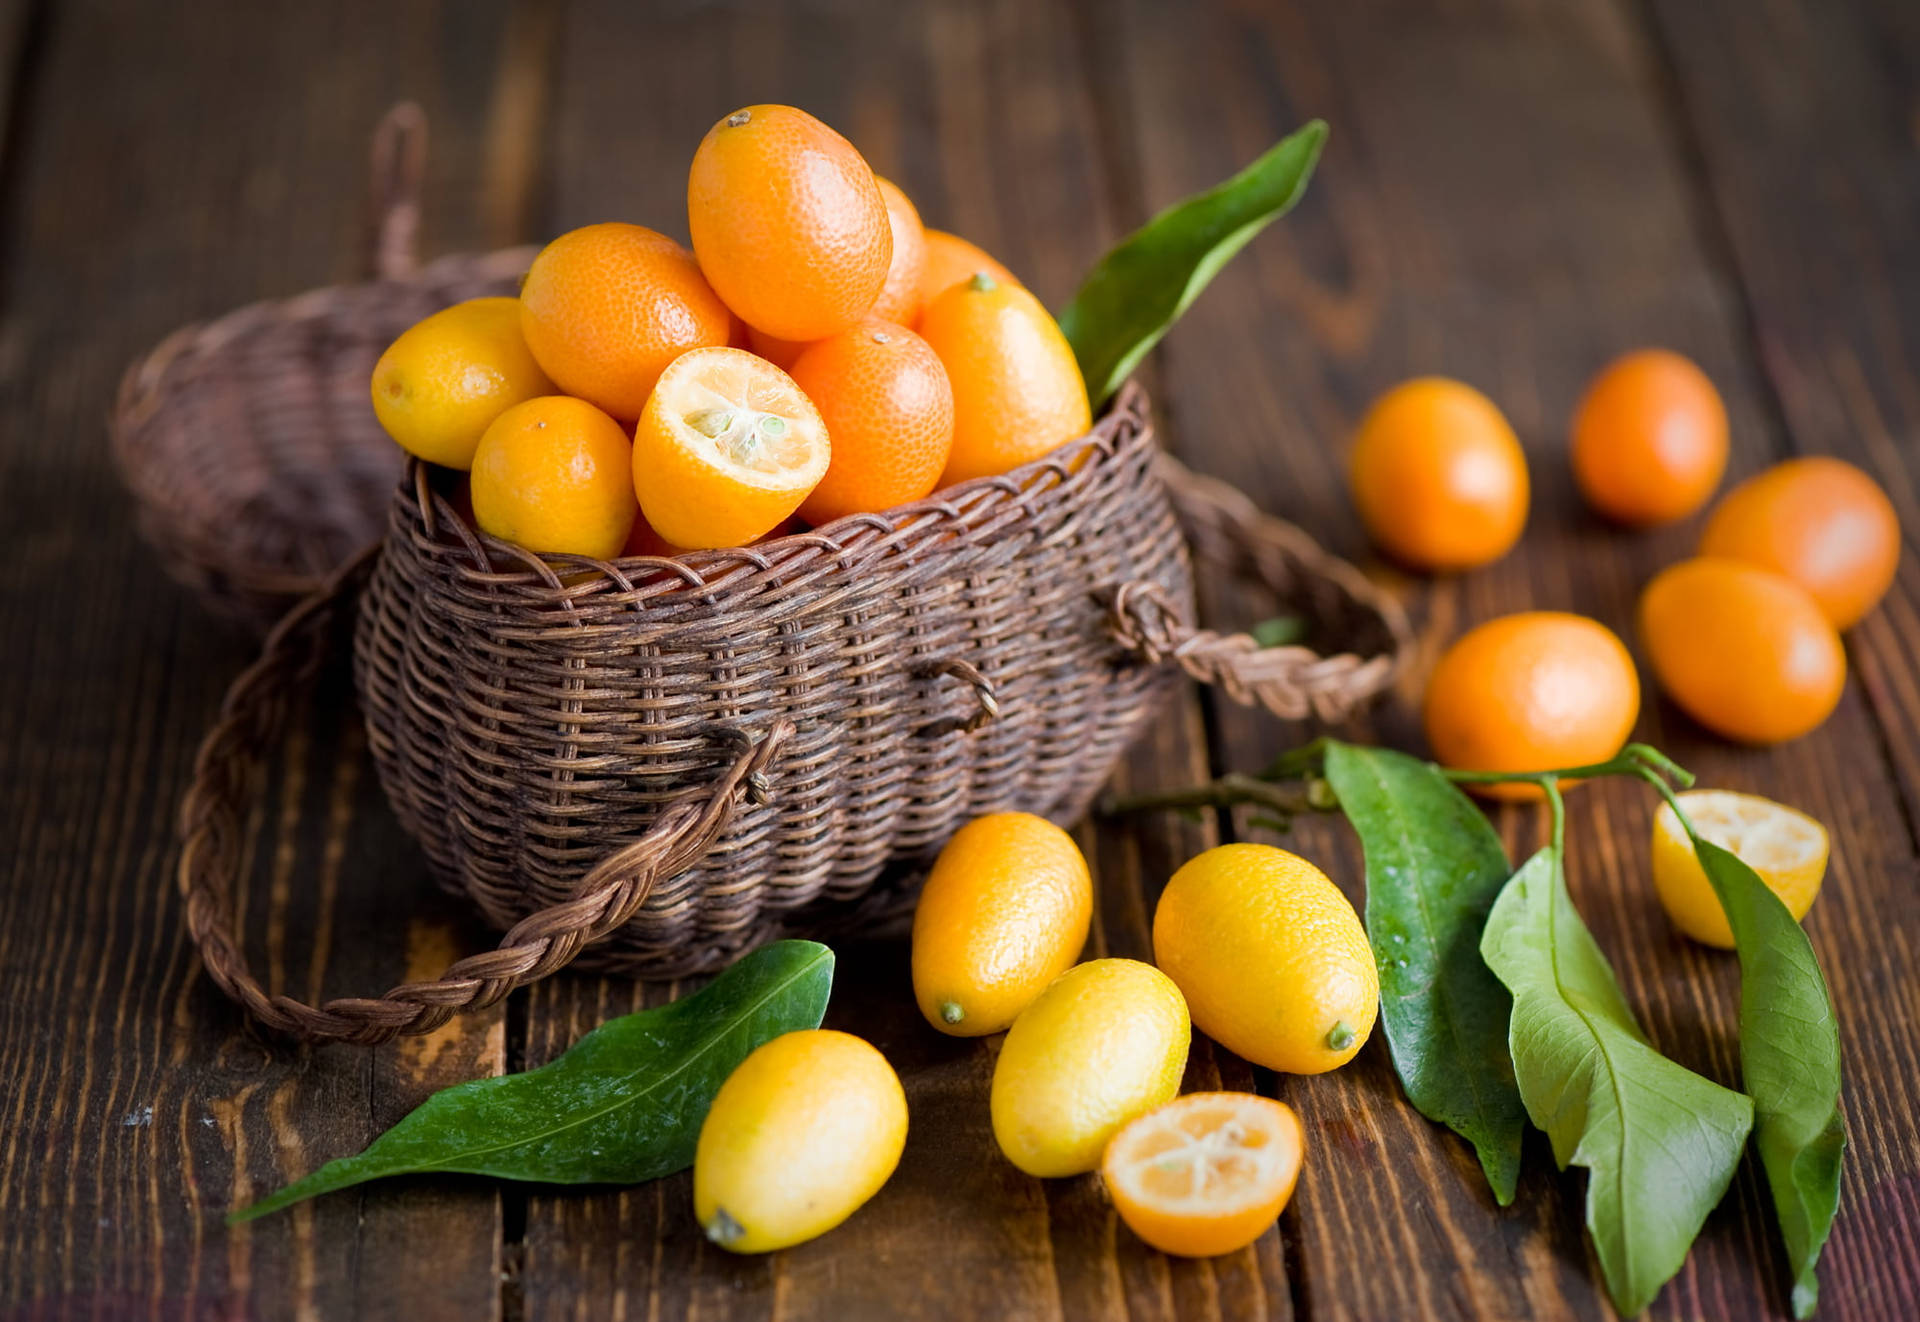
pixel 1513 193
pixel 1504 201
pixel 1805 121
pixel 978 112
pixel 150 187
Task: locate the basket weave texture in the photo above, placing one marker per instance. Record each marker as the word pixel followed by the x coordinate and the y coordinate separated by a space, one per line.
pixel 255 462
pixel 948 658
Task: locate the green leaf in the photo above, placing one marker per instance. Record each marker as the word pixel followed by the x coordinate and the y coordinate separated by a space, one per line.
pixel 624 1105
pixel 1141 287
pixel 1434 866
pixel 1659 1142
pixel 1789 1062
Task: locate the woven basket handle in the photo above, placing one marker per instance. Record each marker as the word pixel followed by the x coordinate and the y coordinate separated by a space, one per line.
pixel 1230 533
pixel 212 828
pixel 399 166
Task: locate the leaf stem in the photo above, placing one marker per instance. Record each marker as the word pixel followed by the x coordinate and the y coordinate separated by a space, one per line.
pixel 1304 763
pixel 1230 790
pixel 1633 760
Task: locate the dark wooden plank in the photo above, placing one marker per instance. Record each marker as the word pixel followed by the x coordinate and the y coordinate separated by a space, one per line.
pixel 1803 116
pixel 979 113
pixel 1504 201
pixel 171 163
pixel 17 18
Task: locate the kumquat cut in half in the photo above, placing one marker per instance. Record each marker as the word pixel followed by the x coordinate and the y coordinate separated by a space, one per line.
pixel 1207 1173
pixel 726 449
pixel 1785 848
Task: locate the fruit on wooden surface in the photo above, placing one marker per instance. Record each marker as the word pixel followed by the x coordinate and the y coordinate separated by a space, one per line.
pixel 726 448
pixel 1649 440
pixel 1787 850
pixel 553 475
pixel 1821 522
pixel 1017 392
pixel 1438 476
pixel 1004 912
pixel 1105 1042
pixel 442 383
pixel 788 221
pixel 1745 652
pixel 951 260
pixel 1205 1174
pixel 606 307
pixel 1531 692
pixel 888 407
pixel 802 1133
pixel 1270 956
pixel 900 298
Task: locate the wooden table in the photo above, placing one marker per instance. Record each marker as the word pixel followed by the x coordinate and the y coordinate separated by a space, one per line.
pixel 1513 193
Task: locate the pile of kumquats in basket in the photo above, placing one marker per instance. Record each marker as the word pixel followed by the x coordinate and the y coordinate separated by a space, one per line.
pixel 818 353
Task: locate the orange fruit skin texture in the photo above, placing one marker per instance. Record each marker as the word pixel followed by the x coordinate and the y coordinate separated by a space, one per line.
pixel 447 377
pixel 1208 1235
pixel 951 259
pixel 783 354
pixel 1531 692
pixel 900 298
pixel 1438 476
pixel 803 1132
pixel 1745 652
pixel 889 409
pixel 554 475
pixel 1649 439
pixel 1821 522
pixel 1017 391
pixel 788 222
pixel 1270 955
pixel 605 308
pixel 690 494
pixel 1004 912
pixel 1106 1041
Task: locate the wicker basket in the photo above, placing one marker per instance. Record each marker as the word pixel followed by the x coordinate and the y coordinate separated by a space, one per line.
pixel 254 459
pixel 665 762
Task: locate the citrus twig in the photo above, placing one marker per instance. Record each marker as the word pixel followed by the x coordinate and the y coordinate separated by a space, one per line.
pixel 1228 791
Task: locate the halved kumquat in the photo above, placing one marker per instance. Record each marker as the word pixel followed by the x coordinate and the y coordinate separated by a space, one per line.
pixel 727 447
pixel 1207 1173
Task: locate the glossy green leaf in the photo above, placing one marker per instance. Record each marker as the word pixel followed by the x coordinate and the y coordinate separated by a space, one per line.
pixel 1434 867
pixel 1659 1142
pixel 1789 1063
pixel 1140 288
pixel 624 1105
